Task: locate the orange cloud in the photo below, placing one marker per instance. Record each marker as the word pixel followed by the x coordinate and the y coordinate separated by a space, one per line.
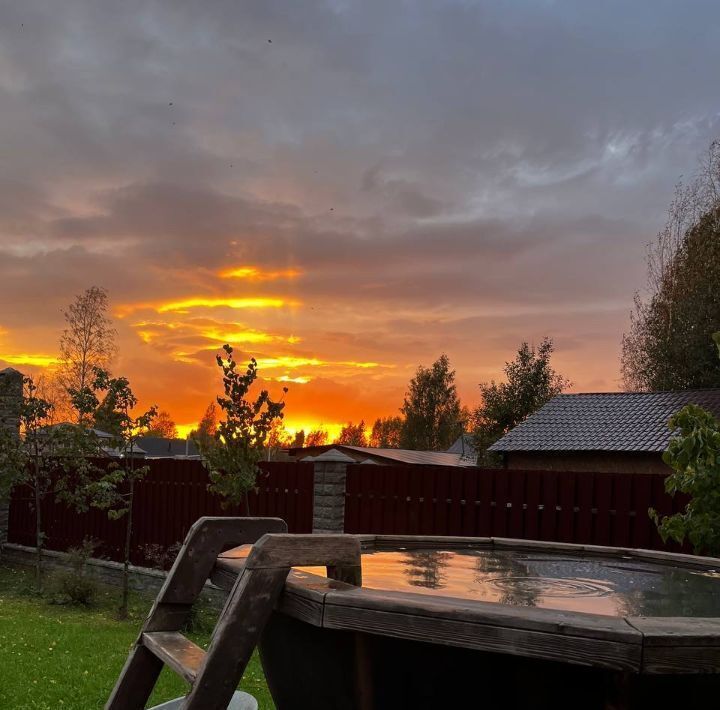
pixel 252 273
pixel 186 305
pixel 293 362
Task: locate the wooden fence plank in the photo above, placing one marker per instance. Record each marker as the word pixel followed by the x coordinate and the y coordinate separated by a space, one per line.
pixel 533 483
pixel 549 498
pixel 470 496
pixel 566 501
pixel 516 526
pixel 442 493
pixel 501 498
pixel 455 510
pixel 603 505
pixel 428 500
pixel 402 491
pixel 585 499
pixel 622 491
pixel 484 509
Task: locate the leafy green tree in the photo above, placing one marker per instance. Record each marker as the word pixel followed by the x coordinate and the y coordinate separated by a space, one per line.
pixel 233 453
pixel 162 426
pixel 278 438
pixel 531 382
pixel 316 437
pixel 352 434
pixel 88 340
pixel 694 456
pixel 386 433
pixel 106 417
pixel 42 457
pixel 206 426
pixel 668 346
pixel 113 489
pixel 432 411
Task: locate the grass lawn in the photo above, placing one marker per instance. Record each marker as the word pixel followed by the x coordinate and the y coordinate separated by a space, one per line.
pixel 68 657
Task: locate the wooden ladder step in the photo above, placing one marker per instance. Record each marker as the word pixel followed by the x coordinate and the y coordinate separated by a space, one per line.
pixel 177 651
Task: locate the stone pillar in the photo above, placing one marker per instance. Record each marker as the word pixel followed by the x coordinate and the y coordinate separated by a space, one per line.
pixel 10 400
pixel 329 500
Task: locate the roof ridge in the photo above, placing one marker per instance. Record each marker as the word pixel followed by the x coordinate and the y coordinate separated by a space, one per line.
pixel 635 393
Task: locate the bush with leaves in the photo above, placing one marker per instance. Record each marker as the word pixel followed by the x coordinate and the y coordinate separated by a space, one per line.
pixel 160 557
pixel 233 452
pixel 44 458
pixel 114 488
pixel 72 585
pixel 694 456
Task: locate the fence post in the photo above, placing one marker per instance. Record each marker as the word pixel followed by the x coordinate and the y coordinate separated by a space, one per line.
pixel 10 401
pixel 329 492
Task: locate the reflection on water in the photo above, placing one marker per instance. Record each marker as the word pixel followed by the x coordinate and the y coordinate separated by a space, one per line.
pixel 610 586
pixel 425 568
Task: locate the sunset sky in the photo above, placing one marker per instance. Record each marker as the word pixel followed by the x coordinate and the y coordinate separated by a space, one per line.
pixel 343 189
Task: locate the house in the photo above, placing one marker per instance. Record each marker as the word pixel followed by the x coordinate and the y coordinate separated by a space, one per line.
pixel 369 455
pixel 158 447
pixel 465 446
pixel 610 431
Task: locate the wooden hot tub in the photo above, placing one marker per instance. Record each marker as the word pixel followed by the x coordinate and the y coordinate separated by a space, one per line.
pixel 495 623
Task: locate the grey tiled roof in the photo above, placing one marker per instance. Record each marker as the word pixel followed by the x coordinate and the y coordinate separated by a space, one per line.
pixel 386 456
pixel 611 421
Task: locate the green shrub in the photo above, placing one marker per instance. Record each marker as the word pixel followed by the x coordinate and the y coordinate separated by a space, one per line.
pixel 71 585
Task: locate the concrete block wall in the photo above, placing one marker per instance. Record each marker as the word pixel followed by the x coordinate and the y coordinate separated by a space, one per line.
pixel 329 492
pixel 10 401
pixel 141 579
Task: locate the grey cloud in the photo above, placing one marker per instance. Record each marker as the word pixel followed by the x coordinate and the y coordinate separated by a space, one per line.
pixel 435 156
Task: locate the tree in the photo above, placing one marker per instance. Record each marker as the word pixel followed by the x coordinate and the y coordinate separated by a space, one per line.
pixel 278 438
pixel 694 456
pixel 233 453
pixel 531 382
pixel 352 435
pixel 39 456
pixel 162 426
pixel 433 416
pixel 386 433
pixel 114 488
pixel 668 346
pixel 206 426
pixel 88 340
pixel 316 437
pixel 106 417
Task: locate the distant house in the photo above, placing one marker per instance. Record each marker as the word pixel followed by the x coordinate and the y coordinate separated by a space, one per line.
pixel 465 446
pixel 613 431
pixel 158 447
pixel 369 455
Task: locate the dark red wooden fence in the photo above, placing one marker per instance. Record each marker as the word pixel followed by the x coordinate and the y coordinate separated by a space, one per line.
pixel 587 508
pixel 167 502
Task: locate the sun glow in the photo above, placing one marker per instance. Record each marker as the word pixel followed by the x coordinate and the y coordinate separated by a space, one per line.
pixel 31 360
pixel 332 429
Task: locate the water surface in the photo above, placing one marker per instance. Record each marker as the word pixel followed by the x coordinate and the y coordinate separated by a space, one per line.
pixel 609 586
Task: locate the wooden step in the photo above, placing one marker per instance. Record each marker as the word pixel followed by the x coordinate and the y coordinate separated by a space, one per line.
pixel 178 652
